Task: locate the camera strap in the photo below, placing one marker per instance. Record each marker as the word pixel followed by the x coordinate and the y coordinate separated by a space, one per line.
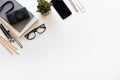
pixel 8 2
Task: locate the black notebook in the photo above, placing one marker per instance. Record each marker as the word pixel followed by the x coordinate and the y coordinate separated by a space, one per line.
pixel 20 27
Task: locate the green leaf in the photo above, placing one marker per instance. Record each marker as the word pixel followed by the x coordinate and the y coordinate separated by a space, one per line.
pixel 42 1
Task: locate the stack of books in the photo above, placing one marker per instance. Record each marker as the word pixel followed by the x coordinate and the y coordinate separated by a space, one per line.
pixel 19 29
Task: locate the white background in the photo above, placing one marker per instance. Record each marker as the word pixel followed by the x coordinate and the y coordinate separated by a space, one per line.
pixel 81 47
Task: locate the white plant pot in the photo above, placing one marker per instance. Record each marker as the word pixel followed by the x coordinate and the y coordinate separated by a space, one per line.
pixel 46 13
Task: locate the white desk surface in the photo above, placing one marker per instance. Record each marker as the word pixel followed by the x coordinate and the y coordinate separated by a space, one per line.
pixel 81 47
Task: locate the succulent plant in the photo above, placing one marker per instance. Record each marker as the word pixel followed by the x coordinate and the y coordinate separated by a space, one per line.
pixel 43 6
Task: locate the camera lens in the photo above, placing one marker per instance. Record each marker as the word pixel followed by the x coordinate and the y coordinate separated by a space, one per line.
pixel 19 15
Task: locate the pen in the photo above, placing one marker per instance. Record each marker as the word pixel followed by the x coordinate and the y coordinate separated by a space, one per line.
pixel 15 39
pixel 6 33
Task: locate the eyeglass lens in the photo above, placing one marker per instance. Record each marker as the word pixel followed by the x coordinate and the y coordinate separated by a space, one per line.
pixel 41 30
pixel 31 35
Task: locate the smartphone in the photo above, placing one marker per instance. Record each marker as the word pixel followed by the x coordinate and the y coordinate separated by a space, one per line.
pixel 61 8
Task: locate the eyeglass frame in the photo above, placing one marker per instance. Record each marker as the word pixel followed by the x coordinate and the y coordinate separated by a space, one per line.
pixel 35 31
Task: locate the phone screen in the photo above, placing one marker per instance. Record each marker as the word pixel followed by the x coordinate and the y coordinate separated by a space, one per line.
pixel 61 8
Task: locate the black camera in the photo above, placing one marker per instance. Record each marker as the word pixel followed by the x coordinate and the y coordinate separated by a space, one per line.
pixel 17 15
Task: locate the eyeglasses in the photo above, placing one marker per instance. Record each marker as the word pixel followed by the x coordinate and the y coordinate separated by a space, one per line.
pixel 32 34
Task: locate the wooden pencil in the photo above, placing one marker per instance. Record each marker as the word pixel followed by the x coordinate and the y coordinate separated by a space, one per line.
pixel 6 47
pixel 9 45
pixel 74 5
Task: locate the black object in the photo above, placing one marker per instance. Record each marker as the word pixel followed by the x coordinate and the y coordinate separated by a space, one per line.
pixel 6 33
pixel 40 29
pixel 61 8
pixel 8 2
pixel 18 15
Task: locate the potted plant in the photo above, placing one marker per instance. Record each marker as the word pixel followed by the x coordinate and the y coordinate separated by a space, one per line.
pixel 44 7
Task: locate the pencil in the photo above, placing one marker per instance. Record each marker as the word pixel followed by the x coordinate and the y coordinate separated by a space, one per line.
pixel 6 47
pixel 74 5
pixel 9 45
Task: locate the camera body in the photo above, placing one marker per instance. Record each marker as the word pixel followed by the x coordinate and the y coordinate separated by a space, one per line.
pixel 17 15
